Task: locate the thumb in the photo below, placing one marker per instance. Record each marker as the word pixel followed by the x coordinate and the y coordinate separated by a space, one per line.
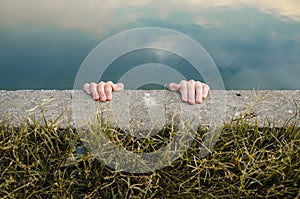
pixel 174 87
pixel 118 87
pixel 86 88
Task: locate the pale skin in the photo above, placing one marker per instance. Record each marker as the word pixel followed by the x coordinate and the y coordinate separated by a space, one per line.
pixel 192 92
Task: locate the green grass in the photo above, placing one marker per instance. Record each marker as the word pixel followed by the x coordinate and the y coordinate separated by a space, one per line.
pixel 247 162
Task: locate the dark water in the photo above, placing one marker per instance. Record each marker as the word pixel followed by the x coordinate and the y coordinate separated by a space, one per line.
pixel 254 45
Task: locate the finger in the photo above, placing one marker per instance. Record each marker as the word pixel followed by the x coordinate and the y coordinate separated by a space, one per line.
pixel 100 89
pixel 199 92
pixel 108 90
pixel 174 87
pixel 205 89
pixel 93 90
pixel 183 91
pixel 86 88
pixel 191 91
pixel 118 87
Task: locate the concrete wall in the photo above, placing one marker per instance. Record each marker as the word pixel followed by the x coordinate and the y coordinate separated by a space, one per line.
pixel 148 109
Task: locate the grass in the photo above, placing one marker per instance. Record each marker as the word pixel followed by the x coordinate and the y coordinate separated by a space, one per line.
pixel 247 162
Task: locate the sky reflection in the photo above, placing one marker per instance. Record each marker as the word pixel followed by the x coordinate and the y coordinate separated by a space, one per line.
pixel 254 43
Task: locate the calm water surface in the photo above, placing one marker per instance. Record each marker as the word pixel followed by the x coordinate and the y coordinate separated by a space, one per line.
pixel 255 44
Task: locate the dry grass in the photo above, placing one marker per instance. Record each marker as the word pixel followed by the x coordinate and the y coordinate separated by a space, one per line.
pixel 247 162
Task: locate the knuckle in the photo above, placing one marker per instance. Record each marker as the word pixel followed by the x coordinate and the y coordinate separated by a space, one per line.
pixel 92 83
pixel 205 86
pixel 182 82
pixel 198 84
pixel 107 88
pixel 192 81
pixel 100 84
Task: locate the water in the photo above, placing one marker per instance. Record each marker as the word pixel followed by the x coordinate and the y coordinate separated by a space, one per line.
pixel 254 44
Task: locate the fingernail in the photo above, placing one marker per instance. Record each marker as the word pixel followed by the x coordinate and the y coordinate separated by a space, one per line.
pixel 192 102
pixel 108 97
pixel 199 100
pixel 96 97
pixel 102 98
pixel 184 99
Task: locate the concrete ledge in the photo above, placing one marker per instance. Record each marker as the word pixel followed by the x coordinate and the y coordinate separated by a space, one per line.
pixel 148 109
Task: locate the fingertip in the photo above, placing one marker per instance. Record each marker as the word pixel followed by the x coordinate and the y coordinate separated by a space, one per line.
pixel 96 97
pixel 198 100
pixel 191 102
pixel 102 98
pixel 108 96
pixel 184 99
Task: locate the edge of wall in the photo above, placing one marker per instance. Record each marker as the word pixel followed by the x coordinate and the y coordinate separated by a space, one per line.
pixel 74 107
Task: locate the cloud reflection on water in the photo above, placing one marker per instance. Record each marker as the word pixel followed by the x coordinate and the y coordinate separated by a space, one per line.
pixel 98 16
pixel 252 41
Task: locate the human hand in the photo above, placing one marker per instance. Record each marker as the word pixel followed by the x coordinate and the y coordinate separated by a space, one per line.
pixel 103 90
pixel 188 90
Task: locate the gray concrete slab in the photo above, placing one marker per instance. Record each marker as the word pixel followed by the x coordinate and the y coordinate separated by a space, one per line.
pixel 140 110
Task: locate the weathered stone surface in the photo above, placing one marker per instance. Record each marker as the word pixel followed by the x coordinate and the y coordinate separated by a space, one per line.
pixel 139 110
pixel 34 105
pixel 267 106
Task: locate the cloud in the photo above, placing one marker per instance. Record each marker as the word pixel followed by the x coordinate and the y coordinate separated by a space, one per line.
pixel 265 78
pixel 289 9
pixel 98 16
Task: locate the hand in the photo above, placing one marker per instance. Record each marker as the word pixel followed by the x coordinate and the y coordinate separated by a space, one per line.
pixel 188 89
pixel 103 90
